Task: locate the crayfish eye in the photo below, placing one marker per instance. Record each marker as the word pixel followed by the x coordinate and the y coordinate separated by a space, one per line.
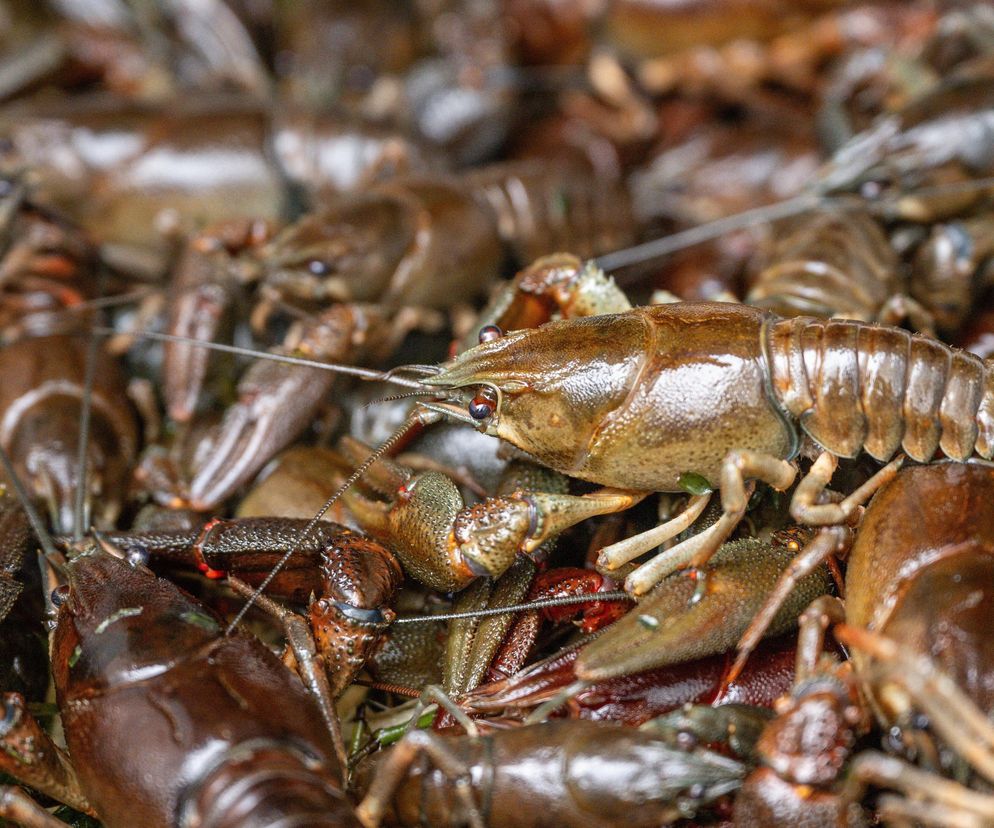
pixel 876 188
pixel 488 333
pixel 483 404
pixel 316 267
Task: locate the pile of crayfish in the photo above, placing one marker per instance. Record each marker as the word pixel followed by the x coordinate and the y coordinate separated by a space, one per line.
pixel 520 413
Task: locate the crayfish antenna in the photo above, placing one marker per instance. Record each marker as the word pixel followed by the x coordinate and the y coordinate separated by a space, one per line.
pixel 412 422
pixel 86 410
pixel 544 603
pixel 396 397
pixel 802 203
pixel 333 367
pixel 657 248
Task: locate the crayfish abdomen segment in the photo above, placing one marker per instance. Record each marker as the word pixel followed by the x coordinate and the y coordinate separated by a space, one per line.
pixel 856 386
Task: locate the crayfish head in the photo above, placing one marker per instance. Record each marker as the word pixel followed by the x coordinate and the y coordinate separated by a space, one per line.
pixel 547 390
pixel 344 253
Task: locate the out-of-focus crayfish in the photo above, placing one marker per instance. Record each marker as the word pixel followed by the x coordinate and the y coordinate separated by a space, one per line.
pixel 46 273
pixel 564 773
pixel 126 50
pixel 836 263
pixel 137 176
pixel 941 136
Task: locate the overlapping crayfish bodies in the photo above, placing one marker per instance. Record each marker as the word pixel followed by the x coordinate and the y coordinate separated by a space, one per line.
pixel 202 728
pixel 919 590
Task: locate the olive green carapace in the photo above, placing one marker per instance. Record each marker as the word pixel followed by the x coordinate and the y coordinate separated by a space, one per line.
pixel 672 625
pixel 628 405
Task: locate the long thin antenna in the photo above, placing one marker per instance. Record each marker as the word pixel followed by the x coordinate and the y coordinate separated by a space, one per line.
pixel 350 370
pixel 355 476
pixel 108 301
pixel 705 232
pixel 89 374
pixel 562 601
pixel 657 248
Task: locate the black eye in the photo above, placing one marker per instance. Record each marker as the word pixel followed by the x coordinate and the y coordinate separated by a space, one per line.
pixel 872 190
pixel 317 267
pixel 483 404
pixel 59 595
pixel 488 333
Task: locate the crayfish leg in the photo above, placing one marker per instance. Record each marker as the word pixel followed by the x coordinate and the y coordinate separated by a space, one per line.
pixel 926 799
pixel 951 712
pixel 391 773
pixel 309 664
pixel 698 550
pixel 805 507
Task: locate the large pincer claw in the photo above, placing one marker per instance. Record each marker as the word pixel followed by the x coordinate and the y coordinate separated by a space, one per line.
pixel 276 403
pixel 201 296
